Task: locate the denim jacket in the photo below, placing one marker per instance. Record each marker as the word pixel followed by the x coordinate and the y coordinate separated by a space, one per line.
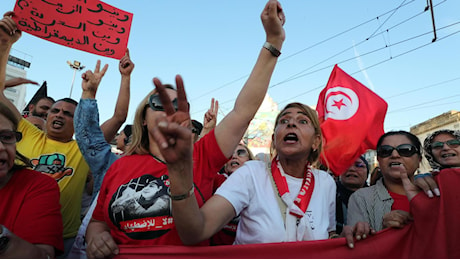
pixel 96 151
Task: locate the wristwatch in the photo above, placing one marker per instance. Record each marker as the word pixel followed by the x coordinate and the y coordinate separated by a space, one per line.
pixel 4 239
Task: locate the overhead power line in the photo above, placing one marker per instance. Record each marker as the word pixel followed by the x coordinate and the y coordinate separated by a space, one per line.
pixel 302 74
pixel 308 48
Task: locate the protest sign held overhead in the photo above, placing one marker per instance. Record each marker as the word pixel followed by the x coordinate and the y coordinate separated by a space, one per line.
pixel 88 25
pixel 351 118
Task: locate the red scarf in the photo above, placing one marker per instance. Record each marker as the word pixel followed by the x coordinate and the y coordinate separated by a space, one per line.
pixel 303 199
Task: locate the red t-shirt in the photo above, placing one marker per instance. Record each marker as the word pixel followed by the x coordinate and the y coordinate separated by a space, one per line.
pixel 30 208
pixel 133 199
pixel 400 202
pixel 226 236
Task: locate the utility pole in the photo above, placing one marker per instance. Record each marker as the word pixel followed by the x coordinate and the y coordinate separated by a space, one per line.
pixel 76 65
pixel 432 20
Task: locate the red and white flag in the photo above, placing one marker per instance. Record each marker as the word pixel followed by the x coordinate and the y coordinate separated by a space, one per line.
pixel 351 118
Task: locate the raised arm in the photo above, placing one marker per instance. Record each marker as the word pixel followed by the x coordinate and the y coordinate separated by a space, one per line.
pixel 18 81
pixel 175 143
pixel 91 80
pixel 210 118
pixel 9 34
pixel 233 126
pixel 94 147
pixel 113 124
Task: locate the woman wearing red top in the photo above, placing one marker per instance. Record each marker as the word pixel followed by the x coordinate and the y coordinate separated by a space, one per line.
pixel 30 218
pixel 145 161
pixel 385 204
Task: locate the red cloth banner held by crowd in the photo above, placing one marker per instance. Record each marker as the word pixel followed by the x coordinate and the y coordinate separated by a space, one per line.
pixel 88 25
pixel 351 118
pixel 432 234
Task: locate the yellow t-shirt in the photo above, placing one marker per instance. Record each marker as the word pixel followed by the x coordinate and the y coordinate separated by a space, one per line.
pixel 64 163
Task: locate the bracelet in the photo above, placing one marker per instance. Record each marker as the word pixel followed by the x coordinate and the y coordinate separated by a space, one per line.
pixel 422 175
pixel 182 196
pixel 334 236
pixel 273 50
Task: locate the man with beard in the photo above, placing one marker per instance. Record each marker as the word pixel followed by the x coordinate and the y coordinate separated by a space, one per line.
pixel 38 106
pixel 350 181
pixel 41 107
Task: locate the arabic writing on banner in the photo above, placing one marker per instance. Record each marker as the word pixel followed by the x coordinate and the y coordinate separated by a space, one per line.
pixel 88 25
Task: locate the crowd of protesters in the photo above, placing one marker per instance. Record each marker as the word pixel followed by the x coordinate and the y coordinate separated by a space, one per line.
pixel 177 181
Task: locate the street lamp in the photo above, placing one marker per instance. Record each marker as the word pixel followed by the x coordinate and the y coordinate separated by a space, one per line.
pixel 76 65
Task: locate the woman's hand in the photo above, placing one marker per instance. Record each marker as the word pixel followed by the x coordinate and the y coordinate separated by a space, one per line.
pixel 174 137
pixel 273 19
pixel 427 183
pixel 101 245
pixel 210 118
pixel 396 219
pixel 9 32
pixel 361 230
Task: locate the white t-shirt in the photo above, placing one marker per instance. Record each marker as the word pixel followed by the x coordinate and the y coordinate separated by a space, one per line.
pixel 249 189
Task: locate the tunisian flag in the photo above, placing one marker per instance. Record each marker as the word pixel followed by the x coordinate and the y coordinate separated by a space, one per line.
pixel 351 118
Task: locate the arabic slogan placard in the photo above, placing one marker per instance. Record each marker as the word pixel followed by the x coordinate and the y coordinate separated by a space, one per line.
pixel 88 25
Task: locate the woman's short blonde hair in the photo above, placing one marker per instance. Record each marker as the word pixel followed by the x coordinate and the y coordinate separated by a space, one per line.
pixel 313 116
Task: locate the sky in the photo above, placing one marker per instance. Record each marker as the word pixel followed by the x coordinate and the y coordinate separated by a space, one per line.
pixel 386 45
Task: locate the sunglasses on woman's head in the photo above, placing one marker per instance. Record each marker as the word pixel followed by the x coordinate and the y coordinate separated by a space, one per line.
pixel 156 105
pixel 406 150
pixel 10 137
pixel 454 143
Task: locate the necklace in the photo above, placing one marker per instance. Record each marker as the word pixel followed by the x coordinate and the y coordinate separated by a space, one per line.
pixel 158 159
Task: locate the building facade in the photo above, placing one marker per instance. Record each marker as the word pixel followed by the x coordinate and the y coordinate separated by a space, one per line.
pixel 16 68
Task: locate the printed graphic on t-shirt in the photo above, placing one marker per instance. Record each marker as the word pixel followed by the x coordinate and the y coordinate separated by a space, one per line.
pixel 141 207
pixel 52 165
pixel 310 219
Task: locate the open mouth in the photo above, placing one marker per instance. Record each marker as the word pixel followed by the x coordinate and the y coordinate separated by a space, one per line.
pixel 57 124
pixel 291 138
pixel 448 155
pixel 395 164
pixel 234 164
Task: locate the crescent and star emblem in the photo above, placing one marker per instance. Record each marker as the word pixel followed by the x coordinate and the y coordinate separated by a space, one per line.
pixel 341 103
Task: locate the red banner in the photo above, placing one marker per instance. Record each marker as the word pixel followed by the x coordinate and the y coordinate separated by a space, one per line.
pixel 432 234
pixel 88 25
pixel 351 118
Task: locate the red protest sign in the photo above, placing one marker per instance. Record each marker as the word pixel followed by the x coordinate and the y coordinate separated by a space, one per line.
pixel 88 25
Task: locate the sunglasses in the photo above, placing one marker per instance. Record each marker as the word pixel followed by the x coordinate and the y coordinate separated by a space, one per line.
pixel 10 137
pixel 406 150
pixel 155 103
pixel 242 153
pixel 454 143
